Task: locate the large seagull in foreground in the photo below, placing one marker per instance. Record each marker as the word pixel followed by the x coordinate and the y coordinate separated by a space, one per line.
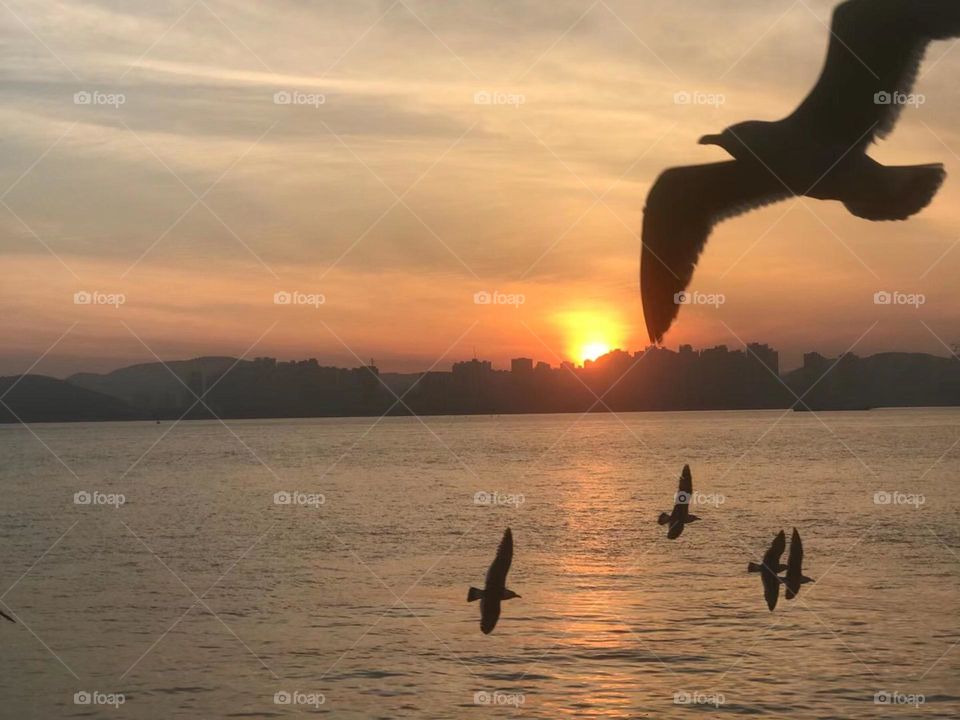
pixel 875 51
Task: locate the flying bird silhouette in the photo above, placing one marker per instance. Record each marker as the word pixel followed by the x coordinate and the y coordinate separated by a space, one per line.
pixel 769 568
pixel 681 508
pixel 495 590
pixel 795 577
pixel 818 151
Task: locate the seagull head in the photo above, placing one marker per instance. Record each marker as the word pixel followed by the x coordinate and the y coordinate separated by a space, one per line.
pixel 727 140
pixel 739 139
pixel 712 140
pixel 509 594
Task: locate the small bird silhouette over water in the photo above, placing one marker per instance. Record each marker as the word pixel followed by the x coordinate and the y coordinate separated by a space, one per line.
pixel 818 151
pixel 795 577
pixel 495 590
pixel 681 509
pixel 7 616
pixel 769 568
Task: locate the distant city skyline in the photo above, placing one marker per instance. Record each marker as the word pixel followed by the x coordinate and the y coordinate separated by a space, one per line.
pixel 772 357
pixel 653 379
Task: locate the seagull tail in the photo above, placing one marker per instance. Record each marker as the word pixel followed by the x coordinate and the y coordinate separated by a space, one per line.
pixel 474 594
pixel 896 193
pixel 753 567
pixel 663 519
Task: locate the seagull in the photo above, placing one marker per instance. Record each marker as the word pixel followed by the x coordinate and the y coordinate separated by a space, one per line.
pixel 681 509
pixel 769 568
pixel 795 577
pixel 495 591
pixel 819 151
pixel 7 616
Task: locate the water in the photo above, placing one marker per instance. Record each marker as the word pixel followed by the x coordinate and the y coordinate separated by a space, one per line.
pixel 200 597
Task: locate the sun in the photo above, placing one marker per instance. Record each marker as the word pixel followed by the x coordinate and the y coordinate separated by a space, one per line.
pixel 590 333
pixel 593 350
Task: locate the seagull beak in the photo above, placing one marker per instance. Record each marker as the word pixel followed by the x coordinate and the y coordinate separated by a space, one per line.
pixel 709 140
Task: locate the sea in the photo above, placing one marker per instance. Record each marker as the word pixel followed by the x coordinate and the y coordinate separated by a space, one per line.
pixel 320 567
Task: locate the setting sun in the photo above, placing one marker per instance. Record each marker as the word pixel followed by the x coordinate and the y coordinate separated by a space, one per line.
pixel 591 351
pixel 591 333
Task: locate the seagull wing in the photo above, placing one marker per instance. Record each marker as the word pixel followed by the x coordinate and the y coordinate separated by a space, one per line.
pixel 489 614
pixel 875 51
pixel 683 206
pixel 497 574
pixel 795 560
pixel 771 565
pixel 771 558
pixel 681 508
pixel 771 589
pixel 7 616
pixel 686 481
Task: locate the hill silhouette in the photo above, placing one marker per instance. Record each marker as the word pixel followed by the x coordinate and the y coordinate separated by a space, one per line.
pixel 38 398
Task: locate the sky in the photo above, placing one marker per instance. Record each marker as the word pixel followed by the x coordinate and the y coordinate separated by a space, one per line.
pixel 171 173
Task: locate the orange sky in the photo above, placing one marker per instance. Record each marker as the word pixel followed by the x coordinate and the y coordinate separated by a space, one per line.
pixel 393 189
